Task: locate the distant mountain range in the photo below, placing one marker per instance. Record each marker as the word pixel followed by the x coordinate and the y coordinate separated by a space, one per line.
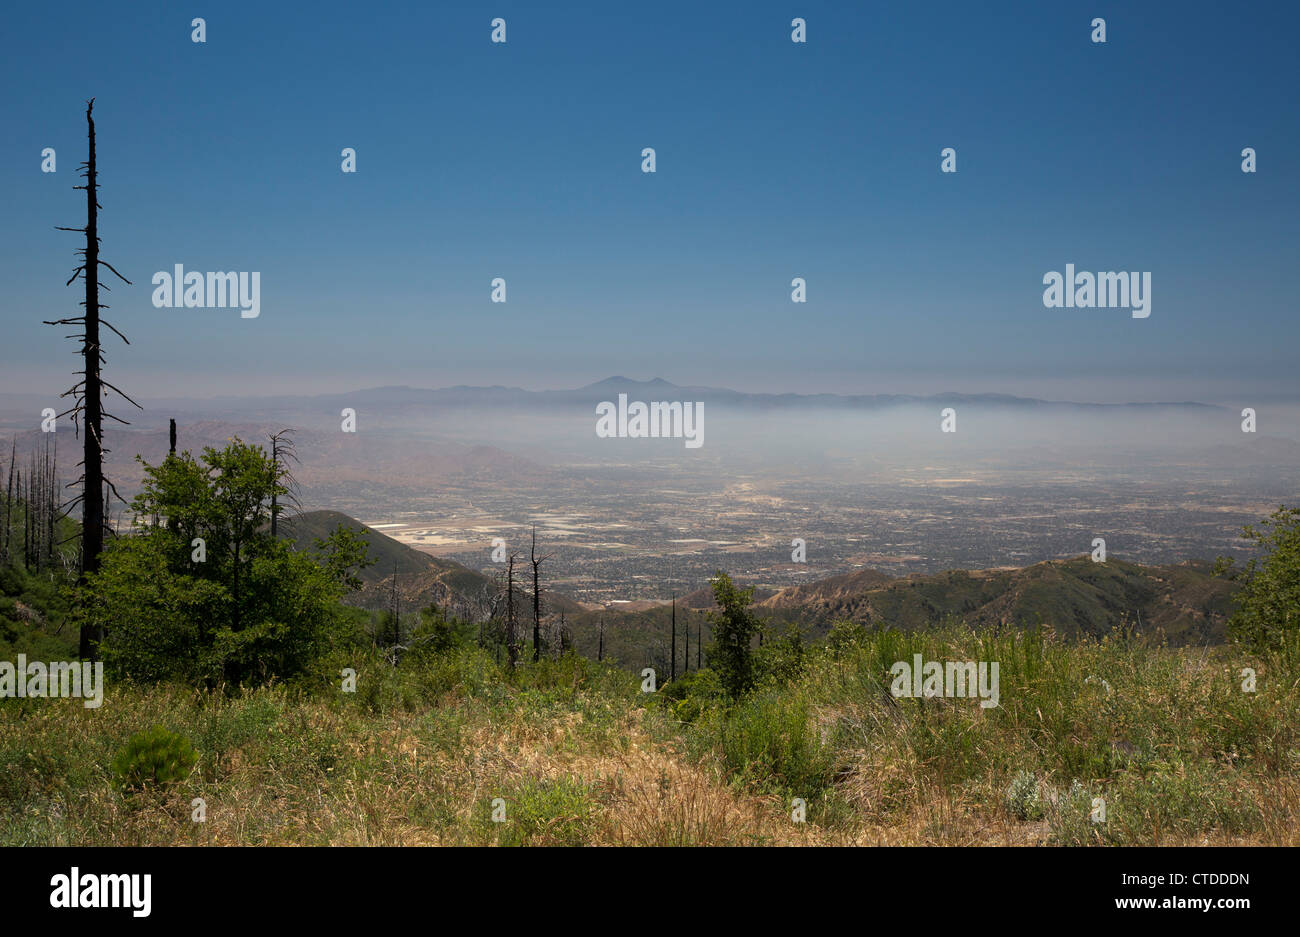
pixel 505 399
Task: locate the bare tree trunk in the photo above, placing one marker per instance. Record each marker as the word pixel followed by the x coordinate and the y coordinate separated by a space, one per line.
pixel 27 522
pixel 397 610
pixel 275 506
pixel 512 639
pixel 49 501
pixel 9 502
pixel 537 600
pixel 686 662
pixel 537 562
pixel 672 667
pixel 92 516
pixel 88 392
pixel 600 648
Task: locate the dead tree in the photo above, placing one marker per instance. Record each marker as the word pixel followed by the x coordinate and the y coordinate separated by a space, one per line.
pixel 9 504
pixel 600 648
pixel 537 562
pixel 282 453
pixel 27 518
pixel 672 667
pixel 686 661
pixel 396 610
pixel 512 633
pixel 88 393
pixel 564 640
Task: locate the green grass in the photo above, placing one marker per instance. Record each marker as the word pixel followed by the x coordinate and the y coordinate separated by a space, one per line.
pixel 1166 737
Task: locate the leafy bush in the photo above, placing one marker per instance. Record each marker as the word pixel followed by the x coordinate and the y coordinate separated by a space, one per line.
pixel 1070 818
pixel 846 635
pixel 1268 612
pixel 772 740
pixel 155 757
pixel 781 660
pixel 690 695
pixel 1024 797
pixel 241 607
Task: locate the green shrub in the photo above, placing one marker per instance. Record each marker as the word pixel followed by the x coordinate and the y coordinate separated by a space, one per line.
pixel 687 697
pixel 558 812
pixel 771 740
pixel 1024 798
pixel 781 660
pixel 1268 607
pixel 846 635
pixel 155 757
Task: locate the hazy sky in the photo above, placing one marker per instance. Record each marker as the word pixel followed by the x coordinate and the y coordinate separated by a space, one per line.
pixel 774 160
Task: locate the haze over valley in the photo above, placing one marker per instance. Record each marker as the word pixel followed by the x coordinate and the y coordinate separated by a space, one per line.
pixel 866 482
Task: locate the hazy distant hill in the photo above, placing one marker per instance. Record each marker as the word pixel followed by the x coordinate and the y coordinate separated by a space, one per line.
pixel 421 578
pixel 1075 596
pixel 503 399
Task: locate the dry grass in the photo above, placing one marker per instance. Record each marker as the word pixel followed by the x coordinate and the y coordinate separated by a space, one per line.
pixel 578 756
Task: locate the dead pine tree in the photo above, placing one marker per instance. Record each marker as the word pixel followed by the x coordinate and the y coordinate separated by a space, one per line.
pixel 396 611
pixel 87 410
pixel 686 659
pixel 282 453
pixel 27 521
pixel 672 667
pixel 537 562
pixel 600 648
pixel 512 632
pixel 47 503
pixel 5 550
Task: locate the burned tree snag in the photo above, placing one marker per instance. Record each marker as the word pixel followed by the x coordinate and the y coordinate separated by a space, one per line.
pixel 672 668
pixel 512 636
pixel 88 393
pixel 282 453
pixel 537 562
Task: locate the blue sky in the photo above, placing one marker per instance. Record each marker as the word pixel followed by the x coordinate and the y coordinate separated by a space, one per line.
pixel 775 160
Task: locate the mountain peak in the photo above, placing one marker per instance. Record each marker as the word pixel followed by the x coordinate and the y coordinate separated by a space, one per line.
pixel 619 381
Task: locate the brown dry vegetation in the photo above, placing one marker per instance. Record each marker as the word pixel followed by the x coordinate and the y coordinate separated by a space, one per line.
pixel 579 756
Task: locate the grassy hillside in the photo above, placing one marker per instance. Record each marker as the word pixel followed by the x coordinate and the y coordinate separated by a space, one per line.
pixel 1178 744
pixel 389 554
pixel 33 613
pixel 1185 602
pixel 1169 740
pixel 422 579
